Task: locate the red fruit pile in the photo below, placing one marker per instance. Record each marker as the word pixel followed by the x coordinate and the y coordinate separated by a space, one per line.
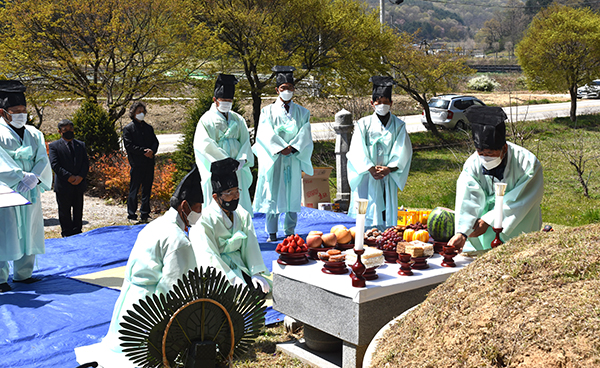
pixel 292 244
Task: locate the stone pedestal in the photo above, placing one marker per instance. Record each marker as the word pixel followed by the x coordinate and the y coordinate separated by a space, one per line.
pixel 343 128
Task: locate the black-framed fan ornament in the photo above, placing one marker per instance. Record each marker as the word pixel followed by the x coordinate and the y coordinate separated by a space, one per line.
pixel 202 322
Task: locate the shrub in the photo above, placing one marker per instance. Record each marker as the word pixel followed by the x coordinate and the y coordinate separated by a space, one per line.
pixel 109 178
pixel 483 83
pixel 93 126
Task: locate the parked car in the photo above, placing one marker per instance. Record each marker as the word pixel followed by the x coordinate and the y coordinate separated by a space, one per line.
pixel 448 111
pixel 591 90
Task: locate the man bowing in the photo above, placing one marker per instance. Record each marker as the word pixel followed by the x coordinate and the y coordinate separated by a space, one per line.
pixel 495 161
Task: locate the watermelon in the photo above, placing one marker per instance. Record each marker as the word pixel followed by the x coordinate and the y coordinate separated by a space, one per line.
pixel 440 224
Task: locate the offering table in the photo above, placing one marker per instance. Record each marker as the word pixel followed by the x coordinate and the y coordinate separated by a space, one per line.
pixel 330 304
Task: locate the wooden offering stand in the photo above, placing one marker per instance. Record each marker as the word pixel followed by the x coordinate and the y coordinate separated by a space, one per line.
pixel 292 259
pixel 496 242
pixel 404 260
pixel 334 268
pixel 449 254
pixel 344 247
pixel 391 256
pixel 438 247
pixel 371 274
pixel 419 263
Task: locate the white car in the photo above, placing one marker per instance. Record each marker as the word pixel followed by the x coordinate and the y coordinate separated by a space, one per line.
pixel 591 90
pixel 448 111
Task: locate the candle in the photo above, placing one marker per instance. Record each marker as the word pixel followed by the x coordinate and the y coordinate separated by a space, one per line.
pixel 359 238
pixel 500 188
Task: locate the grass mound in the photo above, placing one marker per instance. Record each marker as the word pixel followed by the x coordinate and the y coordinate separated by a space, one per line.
pixel 533 302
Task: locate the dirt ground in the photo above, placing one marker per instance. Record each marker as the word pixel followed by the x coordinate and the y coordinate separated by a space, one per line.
pixel 167 116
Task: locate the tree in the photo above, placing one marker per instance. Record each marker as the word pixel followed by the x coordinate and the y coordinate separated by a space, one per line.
pixel 561 50
pixel 421 73
pixel 339 40
pixel 120 50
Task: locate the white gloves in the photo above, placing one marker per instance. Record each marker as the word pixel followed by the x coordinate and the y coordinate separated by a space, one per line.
pixel 28 182
pixel 241 164
pixel 260 282
pixel 238 281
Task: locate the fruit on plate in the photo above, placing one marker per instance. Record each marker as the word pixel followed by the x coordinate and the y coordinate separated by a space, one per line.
pixel 440 224
pixel 315 232
pixel 330 239
pixel 343 235
pixel 389 239
pixel 408 234
pixel 292 244
pixel 353 232
pixel 421 235
pixel 337 227
pixel 314 240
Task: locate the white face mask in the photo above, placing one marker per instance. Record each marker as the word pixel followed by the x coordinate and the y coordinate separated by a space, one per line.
pixel 140 116
pixel 382 109
pixel 193 216
pixel 18 120
pixel 490 162
pixel 224 106
pixel 286 95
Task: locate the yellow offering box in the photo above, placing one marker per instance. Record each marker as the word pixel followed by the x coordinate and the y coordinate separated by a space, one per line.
pixel 407 217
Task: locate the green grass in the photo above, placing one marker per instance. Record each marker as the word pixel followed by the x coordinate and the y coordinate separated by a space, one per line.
pixel 435 169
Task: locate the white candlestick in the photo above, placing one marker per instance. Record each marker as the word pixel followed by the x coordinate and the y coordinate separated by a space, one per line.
pixel 498 211
pixel 361 209
pixel 359 238
pixel 499 188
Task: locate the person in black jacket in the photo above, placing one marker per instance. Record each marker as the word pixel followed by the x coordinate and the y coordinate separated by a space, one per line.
pixel 141 145
pixel 69 161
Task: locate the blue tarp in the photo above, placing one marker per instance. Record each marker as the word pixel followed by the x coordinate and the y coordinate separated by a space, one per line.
pixel 42 323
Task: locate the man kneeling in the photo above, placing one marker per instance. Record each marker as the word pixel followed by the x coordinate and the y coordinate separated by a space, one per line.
pixel 225 236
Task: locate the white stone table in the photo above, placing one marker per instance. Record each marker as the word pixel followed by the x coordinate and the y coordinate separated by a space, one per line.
pixel 330 304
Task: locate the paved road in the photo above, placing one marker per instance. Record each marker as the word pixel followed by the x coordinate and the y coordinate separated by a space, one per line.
pixel 324 131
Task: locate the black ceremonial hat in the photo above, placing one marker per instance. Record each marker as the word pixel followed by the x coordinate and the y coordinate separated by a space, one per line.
pixel 487 123
pixel 223 174
pixel 190 187
pixel 285 74
pixel 225 86
pixel 382 86
pixel 12 93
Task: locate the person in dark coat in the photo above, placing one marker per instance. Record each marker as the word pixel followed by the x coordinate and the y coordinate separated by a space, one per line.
pixel 69 161
pixel 141 145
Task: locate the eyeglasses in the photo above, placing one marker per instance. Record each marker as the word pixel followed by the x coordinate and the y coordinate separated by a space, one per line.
pixel 230 192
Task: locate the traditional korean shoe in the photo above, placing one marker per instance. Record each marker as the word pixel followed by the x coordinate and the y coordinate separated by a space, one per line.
pixel 4 287
pixel 30 280
pixel 272 238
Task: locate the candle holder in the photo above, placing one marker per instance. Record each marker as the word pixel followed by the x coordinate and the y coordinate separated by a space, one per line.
pixel 449 254
pixel 404 260
pixel 358 269
pixel 497 241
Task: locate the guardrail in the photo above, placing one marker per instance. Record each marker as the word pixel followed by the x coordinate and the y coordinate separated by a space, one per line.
pixel 496 68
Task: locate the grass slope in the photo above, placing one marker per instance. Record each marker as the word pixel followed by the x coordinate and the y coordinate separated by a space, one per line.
pixel 533 302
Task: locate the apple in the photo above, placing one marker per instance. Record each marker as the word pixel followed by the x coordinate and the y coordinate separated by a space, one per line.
pixel 314 240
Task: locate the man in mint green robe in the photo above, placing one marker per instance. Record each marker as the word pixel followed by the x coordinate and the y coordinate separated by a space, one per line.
pixel 379 158
pixel 284 148
pixel 25 168
pixel 161 255
pixel 221 133
pixel 496 161
pixel 225 238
